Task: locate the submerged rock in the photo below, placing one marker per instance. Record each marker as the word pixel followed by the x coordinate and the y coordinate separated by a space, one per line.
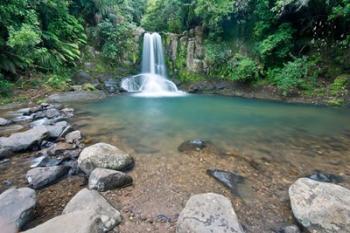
pixel 208 213
pixel 25 140
pixel 103 179
pixel 40 177
pixel 76 96
pixel 320 207
pixel 325 177
pixel 16 208
pixel 92 201
pixel 228 179
pixel 104 156
pixel 193 145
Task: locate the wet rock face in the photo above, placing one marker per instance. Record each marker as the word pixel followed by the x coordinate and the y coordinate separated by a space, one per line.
pixel 105 179
pixel 228 179
pixel 207 213
pixel 40 177
pixel 320 207
pixel 16 208
pixel 103 155
pixel 91 201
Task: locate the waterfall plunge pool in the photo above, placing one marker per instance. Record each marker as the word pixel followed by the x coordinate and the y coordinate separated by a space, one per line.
pixel 271 144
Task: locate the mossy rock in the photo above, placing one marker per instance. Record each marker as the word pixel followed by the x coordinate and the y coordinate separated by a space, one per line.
pixel 340 85
pixel 88 87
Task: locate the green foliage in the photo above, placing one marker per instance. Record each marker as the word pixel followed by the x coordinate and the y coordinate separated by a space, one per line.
pixel 38 34
pixel 301 73
pixel 339 85
pixel 5 87
pixel 242 68
pixel 58 82
pixel 116 41
pixel 276 46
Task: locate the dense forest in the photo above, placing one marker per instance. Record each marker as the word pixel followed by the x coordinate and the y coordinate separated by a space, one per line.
pixel 299 46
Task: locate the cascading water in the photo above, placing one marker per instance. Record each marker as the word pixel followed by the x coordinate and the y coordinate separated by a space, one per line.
pixel 152 81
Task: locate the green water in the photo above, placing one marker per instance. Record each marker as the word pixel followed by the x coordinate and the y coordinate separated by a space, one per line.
pixel 163 123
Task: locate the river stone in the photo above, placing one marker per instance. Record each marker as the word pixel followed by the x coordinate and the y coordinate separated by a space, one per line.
pixel 4 122
pixel 208 213
pixel 103 179
pixel 58 129
pixel 76 96
pixel 92 201
pixel 320 207
pixel 25 140
pixel 289 229
pixel 16 208
pixel 104 156
pixel 40 177
pixel 75 222
pixel 73 137
pixel 229 179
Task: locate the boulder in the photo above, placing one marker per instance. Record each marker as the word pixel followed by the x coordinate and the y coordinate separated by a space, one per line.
pixel 103 179
pixel 207 213
pixel 112 86
pixel 16 208
pixel 40 177
pixel 73 137
pixel 4 122
pixel 76 222
pixel 320 207
pixel 92 201
pixel 25 140
pixel 104 156
pixel 76 96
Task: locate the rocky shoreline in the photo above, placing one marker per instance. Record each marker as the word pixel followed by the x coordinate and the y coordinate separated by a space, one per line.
pixel 58 152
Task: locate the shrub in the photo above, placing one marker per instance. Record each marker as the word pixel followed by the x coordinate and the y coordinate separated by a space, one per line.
pixel 298 74
pixel 59 82
pixel 5 87
pixel 242 68
pixel 339 85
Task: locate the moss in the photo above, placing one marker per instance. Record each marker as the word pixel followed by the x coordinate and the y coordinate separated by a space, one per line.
pixel 88 87
pixel 336 102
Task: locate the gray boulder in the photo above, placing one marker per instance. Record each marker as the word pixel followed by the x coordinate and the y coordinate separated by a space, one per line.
pixel 82 77
pixel 73 137
pixel 24 140
pixel 75 222
pixel 76 96
pixel 92 201
pixel 207 213
pixel 58 129
pixel 16 208
pixel 40 177
pixel 104 156
pixel 103 179
pixel 320 207
pixel 4 122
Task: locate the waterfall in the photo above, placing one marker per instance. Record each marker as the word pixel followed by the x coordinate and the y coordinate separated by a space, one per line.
pixel 152 81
